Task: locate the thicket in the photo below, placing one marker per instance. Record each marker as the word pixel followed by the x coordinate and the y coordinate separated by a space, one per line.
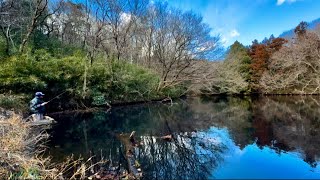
pixel 107 80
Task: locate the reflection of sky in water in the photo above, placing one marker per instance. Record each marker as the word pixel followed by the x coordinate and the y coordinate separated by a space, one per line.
pixel 253 144
pixel 253 162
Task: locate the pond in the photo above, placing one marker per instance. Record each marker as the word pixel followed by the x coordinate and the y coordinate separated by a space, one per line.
pixel 218 137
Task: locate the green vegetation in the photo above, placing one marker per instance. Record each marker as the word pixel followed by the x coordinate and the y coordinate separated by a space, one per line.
pixel 233 75
pixel 98 59
pixel 102 53
pixel 16 102
pixel 108 81
pixel 68 46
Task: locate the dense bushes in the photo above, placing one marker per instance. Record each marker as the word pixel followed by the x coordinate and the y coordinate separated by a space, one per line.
pixel 31 72
pixel 107 80
pixel 118 82
pixel 122 82
pixel 232 75
pixel 294 69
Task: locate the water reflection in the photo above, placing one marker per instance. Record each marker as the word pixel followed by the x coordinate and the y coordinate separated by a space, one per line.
pixel 211 137
pixel 188 156
pixel 289 124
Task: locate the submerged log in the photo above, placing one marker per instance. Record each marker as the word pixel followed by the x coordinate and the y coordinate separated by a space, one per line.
pixel 167 137
pixel 130 144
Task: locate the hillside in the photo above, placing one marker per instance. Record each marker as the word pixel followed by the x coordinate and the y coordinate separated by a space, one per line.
pixel 290 33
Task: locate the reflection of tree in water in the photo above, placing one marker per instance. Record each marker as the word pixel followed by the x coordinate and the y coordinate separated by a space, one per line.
pixel 288 124
pixel 281 123
pixel 231 112
pixel 187 156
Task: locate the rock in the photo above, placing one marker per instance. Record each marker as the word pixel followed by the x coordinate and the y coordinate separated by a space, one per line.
pixel 45 121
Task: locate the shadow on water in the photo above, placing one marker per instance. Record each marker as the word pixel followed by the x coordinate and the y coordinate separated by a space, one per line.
pixel 215 137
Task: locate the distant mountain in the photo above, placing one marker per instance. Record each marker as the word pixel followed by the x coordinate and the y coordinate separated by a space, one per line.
pixel 289 34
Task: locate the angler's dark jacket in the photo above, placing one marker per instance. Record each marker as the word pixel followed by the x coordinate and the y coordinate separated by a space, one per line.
pixel 35 106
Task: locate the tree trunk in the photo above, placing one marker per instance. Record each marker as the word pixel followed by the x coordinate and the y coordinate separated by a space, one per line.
pixel 26 38
pixel 5 34
pixel 40 9
pixel 84 88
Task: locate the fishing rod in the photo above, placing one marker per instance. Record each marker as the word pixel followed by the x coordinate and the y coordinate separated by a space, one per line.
pixel 56 96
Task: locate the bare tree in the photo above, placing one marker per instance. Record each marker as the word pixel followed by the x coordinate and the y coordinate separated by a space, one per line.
pixel 223 77
pixel 180 39
pixel 69 23
pixel 147 36
pixel 37 17
pixel 317 29
pixel 11 21
pixel 119 18
pixel 295 67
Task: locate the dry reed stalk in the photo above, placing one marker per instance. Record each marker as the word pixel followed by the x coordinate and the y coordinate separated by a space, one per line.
pixel 21 146
pixel 19 151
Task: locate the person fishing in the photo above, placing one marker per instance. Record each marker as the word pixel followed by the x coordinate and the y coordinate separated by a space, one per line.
pixel 37 106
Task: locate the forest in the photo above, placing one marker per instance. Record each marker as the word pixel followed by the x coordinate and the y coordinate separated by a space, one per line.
pixel 101 52
pixel 122 51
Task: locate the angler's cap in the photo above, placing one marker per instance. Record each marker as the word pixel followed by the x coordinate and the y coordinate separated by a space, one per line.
pixel 39 94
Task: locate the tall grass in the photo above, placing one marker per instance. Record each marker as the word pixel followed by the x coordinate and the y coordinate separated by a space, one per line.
pixel 21 148
pixel 18 154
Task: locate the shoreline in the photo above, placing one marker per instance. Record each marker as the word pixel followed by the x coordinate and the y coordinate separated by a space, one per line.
pixel 160 100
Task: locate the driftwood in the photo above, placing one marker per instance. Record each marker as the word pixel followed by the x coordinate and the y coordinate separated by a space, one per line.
pixel 130 144
pixel 167 137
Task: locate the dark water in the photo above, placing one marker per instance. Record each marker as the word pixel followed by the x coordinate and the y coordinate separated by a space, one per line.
pixel 221 137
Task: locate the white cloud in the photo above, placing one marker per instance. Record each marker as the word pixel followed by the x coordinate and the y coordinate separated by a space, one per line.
pixel 125 18
pixel 224 40
pixel 234 33
pixel 280 2
pixel 228 37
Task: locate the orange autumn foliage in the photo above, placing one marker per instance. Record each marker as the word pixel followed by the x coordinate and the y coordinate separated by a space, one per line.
pixel 260 54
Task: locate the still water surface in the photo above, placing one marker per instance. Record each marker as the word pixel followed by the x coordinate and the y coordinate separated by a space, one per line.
pixel 220 137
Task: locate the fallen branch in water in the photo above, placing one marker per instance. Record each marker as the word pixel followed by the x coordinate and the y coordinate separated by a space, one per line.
pixel 130 144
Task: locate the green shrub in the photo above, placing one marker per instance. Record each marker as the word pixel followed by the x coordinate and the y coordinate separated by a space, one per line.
pixel 2 48
pixel 120 81
pixel 39 71
pixel 18 102
pixel 107 80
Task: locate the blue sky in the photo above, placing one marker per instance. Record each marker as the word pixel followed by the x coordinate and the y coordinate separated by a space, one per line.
pixel 246 20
